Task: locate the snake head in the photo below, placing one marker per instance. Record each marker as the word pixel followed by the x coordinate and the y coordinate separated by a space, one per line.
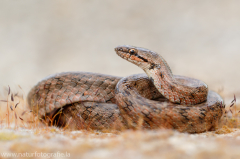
pixel 144 58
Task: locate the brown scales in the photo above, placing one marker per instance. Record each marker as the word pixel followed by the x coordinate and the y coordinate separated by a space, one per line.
pixel 96 101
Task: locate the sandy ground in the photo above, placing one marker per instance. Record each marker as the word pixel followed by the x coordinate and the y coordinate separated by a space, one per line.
pixel 129 144
pixel 199 39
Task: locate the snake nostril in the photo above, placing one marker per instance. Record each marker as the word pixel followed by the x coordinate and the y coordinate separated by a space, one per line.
pixel 118 49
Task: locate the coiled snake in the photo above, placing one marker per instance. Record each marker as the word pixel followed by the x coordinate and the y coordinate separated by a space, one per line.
pixel 157 99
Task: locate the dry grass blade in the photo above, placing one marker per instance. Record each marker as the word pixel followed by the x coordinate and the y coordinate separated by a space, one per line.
pixel 9 90
pixel 12 99
pixel 16 105
pixel 24 112
pixel 15 115
pixel 19 86
pixel 234 99
pixel 20 118
pixel 11 107
pixel 3 101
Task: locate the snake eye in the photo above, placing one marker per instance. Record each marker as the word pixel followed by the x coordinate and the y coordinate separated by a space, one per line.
pixel 131 51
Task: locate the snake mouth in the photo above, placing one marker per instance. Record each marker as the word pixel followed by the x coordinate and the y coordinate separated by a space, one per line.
pixel 123 52
pixel 130 54
pixel 123 55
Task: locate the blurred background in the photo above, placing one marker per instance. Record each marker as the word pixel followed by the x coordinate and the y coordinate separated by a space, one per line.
pixel 200 39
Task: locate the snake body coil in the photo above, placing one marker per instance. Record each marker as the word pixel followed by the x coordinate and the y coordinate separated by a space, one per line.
pixel 156 100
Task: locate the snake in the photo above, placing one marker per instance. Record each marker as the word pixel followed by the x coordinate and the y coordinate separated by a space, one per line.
pixel 157 99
